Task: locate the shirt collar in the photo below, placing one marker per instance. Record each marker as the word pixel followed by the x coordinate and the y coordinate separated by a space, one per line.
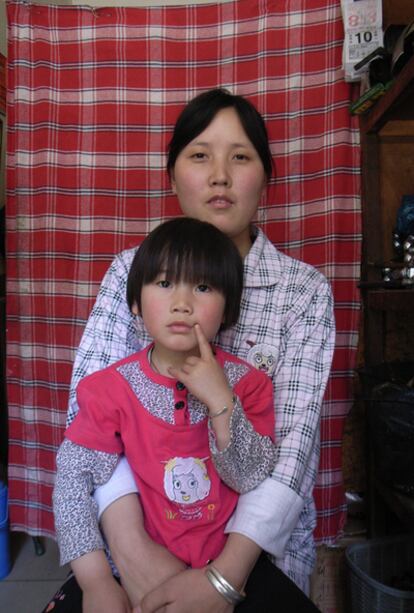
pixel 263 263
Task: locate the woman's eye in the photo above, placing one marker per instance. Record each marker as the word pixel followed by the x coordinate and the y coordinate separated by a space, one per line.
pixel 203 288
pixel 241 157
pixel 198 155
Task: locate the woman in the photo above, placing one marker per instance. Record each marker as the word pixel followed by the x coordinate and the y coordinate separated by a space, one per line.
pixel 219 163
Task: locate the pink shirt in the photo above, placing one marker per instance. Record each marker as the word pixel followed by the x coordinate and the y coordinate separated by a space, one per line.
pixel 186 504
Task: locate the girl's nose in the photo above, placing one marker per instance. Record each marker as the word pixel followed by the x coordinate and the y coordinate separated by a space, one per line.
pixel 181 302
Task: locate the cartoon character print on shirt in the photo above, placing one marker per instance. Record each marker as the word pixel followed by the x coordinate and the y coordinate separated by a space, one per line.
pixel 186 482
pixel 262 356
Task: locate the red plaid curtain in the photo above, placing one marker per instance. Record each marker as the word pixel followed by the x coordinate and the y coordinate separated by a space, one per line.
pixel 92 98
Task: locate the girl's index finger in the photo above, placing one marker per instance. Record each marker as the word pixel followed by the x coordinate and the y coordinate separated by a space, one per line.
pixel 203 344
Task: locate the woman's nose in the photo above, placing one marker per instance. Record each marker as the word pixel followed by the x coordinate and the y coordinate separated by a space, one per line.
pixel 220 174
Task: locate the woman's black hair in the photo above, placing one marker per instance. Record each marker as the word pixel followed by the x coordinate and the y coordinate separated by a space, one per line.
pixel 199 113
pixel 192 251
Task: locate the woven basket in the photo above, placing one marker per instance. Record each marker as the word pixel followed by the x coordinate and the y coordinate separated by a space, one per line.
pixel 373 567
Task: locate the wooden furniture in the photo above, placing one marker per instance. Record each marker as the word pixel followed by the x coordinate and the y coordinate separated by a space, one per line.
pixel 387 149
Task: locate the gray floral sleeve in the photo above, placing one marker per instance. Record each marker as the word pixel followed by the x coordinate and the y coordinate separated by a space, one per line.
pixel 248 458
pixel 79 471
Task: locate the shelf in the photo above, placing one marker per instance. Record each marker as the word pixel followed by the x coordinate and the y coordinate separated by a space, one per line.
pixel 389 299
pixel 387 154
pixel 400 504
pixel 400 91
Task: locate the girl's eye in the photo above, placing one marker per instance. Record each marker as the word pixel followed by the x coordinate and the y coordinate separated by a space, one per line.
pixel 203 288
pixel 241 157
pixel 163 283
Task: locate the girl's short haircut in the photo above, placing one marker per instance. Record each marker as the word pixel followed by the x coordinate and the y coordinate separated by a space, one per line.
pixel 192 251
pixel 200 112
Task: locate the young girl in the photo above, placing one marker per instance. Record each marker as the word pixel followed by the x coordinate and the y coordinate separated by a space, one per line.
pixel 195 423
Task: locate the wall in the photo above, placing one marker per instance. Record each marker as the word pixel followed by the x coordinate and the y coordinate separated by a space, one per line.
pixel 3 29
pixel 394 11
pixel 3 36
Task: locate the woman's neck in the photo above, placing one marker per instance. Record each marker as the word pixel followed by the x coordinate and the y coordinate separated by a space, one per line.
pixel 244 241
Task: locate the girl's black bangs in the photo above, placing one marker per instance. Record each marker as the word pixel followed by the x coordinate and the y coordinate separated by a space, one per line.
pixel 190 264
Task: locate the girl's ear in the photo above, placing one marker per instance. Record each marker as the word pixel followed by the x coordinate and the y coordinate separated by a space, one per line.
pixel 135 309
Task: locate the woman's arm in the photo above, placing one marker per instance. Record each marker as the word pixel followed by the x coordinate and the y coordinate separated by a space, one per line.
pixel 143 564
pixel 235 563
pixel 111 332
pixel 270 513
pixel 101 593
pixel 153 577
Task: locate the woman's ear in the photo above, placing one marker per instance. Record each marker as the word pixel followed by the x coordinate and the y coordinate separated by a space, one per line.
pixel 135 309
pixel 172 181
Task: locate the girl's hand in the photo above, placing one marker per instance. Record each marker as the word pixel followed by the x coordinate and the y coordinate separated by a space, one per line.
pixel 187 592
pixel 204 377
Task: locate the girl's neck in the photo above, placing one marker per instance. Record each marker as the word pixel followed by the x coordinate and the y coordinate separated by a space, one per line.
pixel 162 359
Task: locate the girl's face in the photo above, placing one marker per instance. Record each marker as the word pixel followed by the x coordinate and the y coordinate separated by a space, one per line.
pixel 170 309
pixel 219 177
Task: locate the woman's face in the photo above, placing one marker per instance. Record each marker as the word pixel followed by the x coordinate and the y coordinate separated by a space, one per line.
pixel 219 177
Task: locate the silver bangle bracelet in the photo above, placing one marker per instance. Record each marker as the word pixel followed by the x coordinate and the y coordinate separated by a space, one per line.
pixel 218 413
pixel 221 411
pixel 224 588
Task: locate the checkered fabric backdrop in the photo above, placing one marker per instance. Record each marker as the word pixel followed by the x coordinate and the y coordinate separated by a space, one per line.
pixel 92 98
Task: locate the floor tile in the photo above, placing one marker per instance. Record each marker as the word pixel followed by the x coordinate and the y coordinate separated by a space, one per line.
pixel 33 578
pixel 29 566
pixel 26 596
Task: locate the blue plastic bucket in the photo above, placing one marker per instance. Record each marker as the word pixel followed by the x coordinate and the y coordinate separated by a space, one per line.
pixel 4 532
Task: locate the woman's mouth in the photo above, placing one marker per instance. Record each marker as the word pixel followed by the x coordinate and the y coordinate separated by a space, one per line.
pixel 220 202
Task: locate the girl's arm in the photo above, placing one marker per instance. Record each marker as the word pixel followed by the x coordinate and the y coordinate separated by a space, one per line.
pixel 79 471
pixel 249 456
pixel 242 448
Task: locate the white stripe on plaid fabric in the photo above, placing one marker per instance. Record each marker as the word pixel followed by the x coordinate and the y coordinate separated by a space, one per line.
pixel 91 103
